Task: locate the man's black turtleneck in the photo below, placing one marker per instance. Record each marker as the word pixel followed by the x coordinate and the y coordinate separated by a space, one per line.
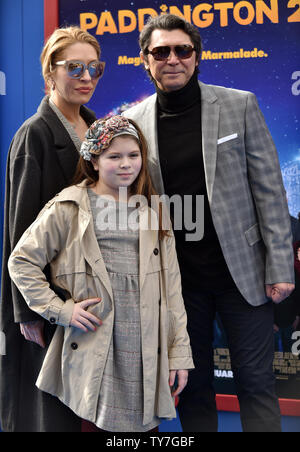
pixel 180 149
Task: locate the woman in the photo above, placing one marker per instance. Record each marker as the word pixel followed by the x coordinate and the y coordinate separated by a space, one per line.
pixel 41 161
pixel 122 335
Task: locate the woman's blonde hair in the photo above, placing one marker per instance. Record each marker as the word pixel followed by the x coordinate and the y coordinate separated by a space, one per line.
pixel 59 41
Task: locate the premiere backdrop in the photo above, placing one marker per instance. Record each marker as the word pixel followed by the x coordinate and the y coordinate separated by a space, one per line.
pixel 251 45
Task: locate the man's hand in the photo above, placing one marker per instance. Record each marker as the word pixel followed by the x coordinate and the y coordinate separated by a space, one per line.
pixel 34 332
pixel 279 291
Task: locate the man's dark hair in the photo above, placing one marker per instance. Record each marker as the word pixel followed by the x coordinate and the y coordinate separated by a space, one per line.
pixel 170 22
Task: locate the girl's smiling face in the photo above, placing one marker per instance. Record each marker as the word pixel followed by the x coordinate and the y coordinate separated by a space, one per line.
pixel 118 166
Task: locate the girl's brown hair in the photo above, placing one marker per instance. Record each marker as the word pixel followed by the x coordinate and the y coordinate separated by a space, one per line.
pixel 58 42
pixel 142 185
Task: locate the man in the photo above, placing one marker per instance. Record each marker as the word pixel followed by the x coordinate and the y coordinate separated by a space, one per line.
pixel 212 141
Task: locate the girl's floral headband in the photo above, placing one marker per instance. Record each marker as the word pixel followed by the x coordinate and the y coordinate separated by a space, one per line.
pixel 102 132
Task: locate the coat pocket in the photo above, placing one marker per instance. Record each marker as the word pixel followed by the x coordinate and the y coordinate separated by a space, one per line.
pixel 171 329
pixel 232 142
pixel 253 235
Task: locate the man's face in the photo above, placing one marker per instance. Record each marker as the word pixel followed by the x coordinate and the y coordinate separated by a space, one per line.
pixel 173 73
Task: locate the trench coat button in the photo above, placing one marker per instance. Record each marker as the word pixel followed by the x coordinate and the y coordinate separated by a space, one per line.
pixel 155 251
pixel 52 320
pixel 74 346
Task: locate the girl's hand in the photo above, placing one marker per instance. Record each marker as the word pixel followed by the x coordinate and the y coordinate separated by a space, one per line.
pixel 298 254
pixel 182 379
pixel 83 319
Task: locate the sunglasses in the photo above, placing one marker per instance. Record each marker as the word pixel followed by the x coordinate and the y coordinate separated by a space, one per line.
pixel 162 53
pixel 76 69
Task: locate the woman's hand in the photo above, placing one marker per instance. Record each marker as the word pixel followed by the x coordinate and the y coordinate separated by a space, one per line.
pixel 83 319
pixel 34 332
pixel 182 379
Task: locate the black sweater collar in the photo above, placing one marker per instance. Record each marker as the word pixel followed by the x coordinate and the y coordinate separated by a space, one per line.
pixel 180 100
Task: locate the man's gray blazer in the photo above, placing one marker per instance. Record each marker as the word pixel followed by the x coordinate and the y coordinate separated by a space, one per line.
pixel 244 186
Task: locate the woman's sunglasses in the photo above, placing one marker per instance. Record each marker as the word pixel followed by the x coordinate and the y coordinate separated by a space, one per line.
pixel 162 53
pixel 76 69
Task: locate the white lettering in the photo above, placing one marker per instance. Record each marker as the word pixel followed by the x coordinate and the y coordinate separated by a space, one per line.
pixel 223 373
pixel 296 345
pixel 2 344
pixel 2 84
pixel 296 85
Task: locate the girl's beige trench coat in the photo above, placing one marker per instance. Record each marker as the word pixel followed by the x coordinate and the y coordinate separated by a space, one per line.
pixel 63 235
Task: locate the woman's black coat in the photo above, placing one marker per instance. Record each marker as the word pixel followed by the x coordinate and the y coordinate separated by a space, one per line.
pixel 41 162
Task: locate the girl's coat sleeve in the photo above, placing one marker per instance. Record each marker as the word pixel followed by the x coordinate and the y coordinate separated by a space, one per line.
pixel 38 246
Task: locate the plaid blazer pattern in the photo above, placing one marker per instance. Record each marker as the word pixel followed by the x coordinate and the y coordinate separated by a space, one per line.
pixel 244 186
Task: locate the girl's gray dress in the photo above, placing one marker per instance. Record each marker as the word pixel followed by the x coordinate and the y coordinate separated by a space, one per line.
pixel 120 406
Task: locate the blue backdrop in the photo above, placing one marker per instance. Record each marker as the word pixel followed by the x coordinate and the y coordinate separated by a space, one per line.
pixel 21 84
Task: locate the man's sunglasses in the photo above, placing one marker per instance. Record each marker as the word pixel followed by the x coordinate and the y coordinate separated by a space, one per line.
pixel 162 53
pixel 76 69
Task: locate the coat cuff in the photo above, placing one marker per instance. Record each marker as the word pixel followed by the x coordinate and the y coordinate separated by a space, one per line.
pixel 181 358
pixel 61 315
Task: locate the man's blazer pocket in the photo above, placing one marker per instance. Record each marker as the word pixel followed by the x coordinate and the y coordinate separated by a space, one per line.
pixel 253 235
pixel 231 137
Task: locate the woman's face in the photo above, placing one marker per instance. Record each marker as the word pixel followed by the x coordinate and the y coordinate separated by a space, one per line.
pixel 118 166
pixel 74 91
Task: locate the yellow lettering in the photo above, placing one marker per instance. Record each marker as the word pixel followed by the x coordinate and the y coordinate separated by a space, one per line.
pixel 206 18
pixel 295 17
pixel 145 12
pixel 106 24
pixel 223 8
pixel 186 12
pixel 206 55
pixel 122 60
pixel 123 14
pixel 237 13
pixel 88 21
pixel 271 13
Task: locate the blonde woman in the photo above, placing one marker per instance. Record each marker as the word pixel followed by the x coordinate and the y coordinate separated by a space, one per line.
pixel 41 161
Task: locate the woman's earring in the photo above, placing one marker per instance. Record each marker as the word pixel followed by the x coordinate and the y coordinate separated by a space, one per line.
pixel 52 84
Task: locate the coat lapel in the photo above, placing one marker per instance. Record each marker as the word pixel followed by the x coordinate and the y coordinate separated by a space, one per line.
pixel 91 250
pixel 63 145
pixel 150 131
pixel 147 241
pixel 210 129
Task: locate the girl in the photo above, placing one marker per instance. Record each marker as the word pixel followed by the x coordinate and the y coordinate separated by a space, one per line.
pixel 42 160
pixel 122 336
